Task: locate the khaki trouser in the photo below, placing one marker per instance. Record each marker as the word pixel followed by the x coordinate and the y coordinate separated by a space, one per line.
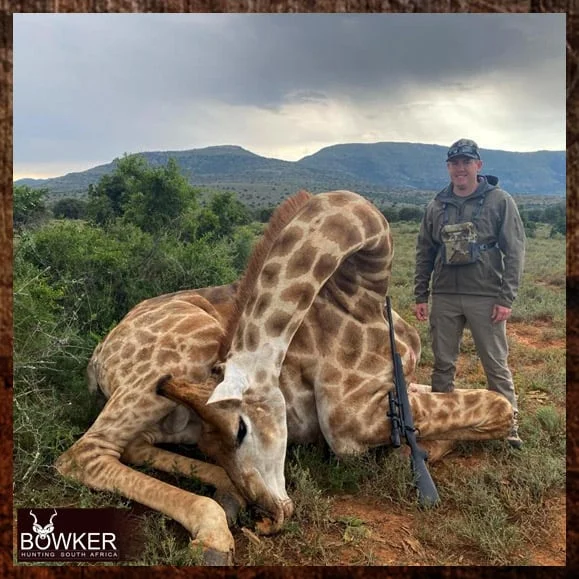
pixel 449 315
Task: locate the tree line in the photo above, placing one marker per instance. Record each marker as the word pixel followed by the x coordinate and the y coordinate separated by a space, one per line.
pixel 554 215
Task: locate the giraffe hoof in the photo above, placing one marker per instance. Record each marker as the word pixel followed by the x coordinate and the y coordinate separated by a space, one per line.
pixel 230 505
pixel 215 558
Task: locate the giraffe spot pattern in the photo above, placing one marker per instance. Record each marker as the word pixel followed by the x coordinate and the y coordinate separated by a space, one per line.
pixel 166 324
pixel 286 242
pixel 331 376
pixel 277 323
pixel 152 375
pixel 250 302
pixel 261 305
pixel 187 326
pixel 312 210
pixel 302 341
pixel 376 339
pixel 352 381
pixel 238 342
pixel 130 398
pixel 168 342
pixel 383 247
pixel 128 350
pixel 270 274
pixel 338 199
pixel 144 354
pixel 328 324
pixel 325 265
pixel 141 369
pixel 166 356
pixel 371 222
pixel 203 352
pixel 251 337
pixel 301 261
pixel 338 228
pixel 115 345
pixel 372 364
pixel 292 327
pixel 338 419
pixel 351 345
pixel 301 294
pixel 366 307
pixel 126 368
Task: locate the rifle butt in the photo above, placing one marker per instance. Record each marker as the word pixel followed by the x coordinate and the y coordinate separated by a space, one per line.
pixel 427 493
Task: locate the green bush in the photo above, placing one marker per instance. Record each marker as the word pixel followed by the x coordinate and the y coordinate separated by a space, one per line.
pixel 70 208
pixel 102 274
pixel 29 207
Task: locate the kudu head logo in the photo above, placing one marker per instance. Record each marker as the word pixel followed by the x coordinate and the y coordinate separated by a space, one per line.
pixel 43 532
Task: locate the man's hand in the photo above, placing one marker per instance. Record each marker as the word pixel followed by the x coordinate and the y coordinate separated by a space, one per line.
pixel 421 312
pixel 500 313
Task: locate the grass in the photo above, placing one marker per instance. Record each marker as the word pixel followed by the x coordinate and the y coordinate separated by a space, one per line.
pixel 164 542
pixel 495 501
pixel 496 510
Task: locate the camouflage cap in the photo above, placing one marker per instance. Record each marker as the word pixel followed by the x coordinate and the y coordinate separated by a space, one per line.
pixel 463 148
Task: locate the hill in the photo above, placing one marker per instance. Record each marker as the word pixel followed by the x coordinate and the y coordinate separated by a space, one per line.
pixel 419 166
pixel 382 171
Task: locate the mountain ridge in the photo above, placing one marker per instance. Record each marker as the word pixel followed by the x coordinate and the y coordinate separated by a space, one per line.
pixel 375 169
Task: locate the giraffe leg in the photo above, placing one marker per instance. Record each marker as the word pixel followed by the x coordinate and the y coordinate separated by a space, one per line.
pixel 142 451
pixel 461 415
pixel 94 461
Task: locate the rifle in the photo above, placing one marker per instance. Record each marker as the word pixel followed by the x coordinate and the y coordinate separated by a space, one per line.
pixel 400 415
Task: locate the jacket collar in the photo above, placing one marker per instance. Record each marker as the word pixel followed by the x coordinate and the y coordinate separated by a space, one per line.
pixel 486 183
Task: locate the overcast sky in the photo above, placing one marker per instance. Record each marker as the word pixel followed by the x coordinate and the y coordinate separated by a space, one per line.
pixel 90 87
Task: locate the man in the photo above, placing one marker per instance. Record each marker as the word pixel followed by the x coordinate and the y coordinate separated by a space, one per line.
pixel 472 243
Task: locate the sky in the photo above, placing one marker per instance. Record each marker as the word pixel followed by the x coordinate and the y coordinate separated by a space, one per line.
pixel 90 87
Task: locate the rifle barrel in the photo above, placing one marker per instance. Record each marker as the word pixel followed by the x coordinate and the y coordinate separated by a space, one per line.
pixel 401 417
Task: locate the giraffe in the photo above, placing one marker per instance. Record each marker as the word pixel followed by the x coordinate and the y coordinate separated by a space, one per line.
pixel 338 366
pixel 297 351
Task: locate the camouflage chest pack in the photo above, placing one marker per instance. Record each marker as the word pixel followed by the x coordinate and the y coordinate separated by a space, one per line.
pixel 460 244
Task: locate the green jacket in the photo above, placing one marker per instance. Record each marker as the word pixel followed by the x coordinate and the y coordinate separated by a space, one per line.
pixel 497 271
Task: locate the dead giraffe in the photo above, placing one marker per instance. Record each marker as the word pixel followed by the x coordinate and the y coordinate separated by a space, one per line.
pixel 325 269
pixel 338 366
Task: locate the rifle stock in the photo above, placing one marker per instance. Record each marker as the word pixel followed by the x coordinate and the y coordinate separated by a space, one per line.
pixel 400 414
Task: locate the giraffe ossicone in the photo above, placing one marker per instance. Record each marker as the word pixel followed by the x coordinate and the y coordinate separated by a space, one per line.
pixel 296 351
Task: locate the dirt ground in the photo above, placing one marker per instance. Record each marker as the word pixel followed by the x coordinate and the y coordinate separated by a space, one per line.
pixel 389 536
pixel 392 536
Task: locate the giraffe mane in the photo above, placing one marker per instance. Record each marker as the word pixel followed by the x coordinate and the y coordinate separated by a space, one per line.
pixel 279 219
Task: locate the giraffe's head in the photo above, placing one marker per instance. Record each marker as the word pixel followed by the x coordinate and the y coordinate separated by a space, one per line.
pixel 244 431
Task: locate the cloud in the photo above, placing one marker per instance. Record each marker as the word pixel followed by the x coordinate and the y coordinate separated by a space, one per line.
pixel 92 86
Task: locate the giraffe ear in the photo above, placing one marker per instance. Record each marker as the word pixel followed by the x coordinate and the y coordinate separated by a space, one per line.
pixel 226 390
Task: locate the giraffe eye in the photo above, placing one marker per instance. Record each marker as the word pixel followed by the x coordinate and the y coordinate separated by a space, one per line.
pixel 241 431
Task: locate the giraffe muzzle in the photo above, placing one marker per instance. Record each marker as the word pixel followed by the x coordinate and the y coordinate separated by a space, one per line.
pixel 273 522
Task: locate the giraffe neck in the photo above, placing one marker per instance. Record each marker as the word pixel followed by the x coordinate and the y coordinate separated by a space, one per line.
pixel 331 231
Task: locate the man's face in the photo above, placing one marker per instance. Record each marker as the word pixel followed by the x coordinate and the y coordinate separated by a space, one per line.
pixel 463 173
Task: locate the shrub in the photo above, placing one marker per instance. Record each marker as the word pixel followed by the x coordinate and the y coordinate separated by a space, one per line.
pixel 101 275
